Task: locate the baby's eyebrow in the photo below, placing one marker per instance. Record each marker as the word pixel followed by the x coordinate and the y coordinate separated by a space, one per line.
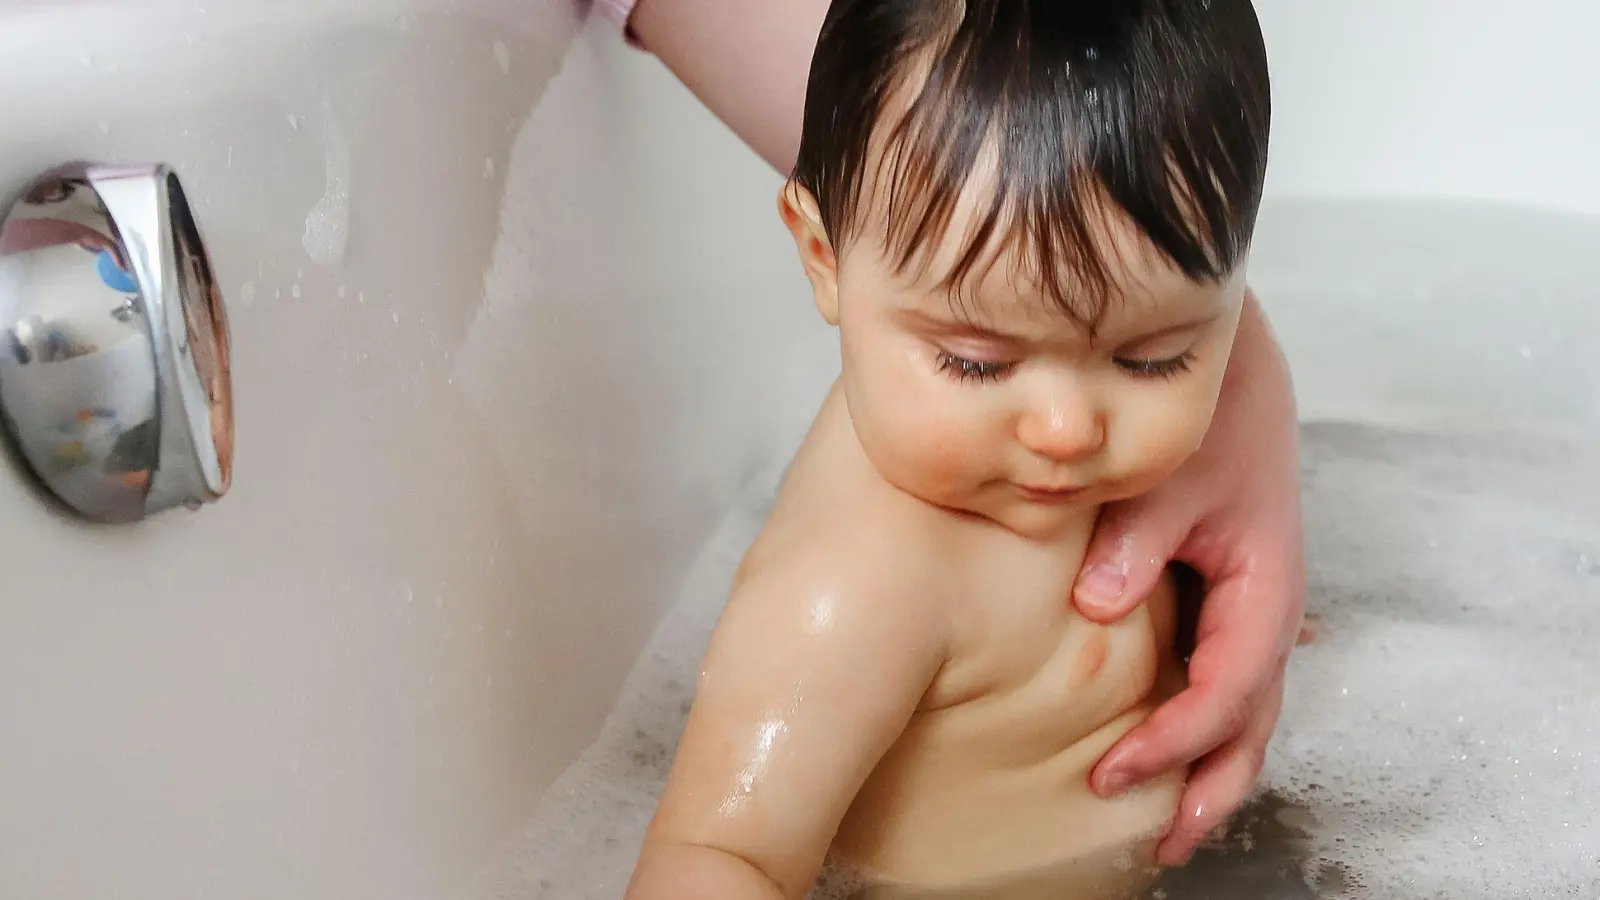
pixel 1188 324
pixel 962 328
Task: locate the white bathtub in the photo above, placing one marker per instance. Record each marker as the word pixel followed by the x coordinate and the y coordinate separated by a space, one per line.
pixel 514 323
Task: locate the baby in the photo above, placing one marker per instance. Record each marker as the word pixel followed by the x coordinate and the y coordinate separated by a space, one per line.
pixel 1030 221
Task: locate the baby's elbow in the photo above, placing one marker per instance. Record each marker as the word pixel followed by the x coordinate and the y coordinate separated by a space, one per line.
pixel 671 869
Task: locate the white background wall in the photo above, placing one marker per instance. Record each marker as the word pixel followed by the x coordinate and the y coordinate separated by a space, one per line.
pixel 1436 98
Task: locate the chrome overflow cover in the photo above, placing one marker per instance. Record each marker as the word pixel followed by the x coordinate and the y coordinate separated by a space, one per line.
pixel 114 382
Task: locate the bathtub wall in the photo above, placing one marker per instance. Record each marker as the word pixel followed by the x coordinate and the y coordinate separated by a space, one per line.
pixel 513 322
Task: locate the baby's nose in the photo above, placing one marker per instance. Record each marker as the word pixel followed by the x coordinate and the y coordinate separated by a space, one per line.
pixel 1064 429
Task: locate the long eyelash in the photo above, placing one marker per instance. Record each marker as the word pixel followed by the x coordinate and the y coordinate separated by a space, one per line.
pixel 1157 368
pixel 969 370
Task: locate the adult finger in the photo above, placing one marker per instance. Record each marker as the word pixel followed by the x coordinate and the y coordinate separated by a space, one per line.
pixel 1238 655
pixel 1133 542
pixel 1221 783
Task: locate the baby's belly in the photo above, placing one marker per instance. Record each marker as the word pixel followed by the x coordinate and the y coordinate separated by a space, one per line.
pixel 945 826
pixel 955 805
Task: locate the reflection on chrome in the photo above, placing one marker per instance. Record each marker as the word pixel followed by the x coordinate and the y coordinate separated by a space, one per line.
pixel 114 375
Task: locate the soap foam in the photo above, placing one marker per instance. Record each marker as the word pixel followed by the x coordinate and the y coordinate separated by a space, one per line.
pixel 1440 738
pixel 1444 728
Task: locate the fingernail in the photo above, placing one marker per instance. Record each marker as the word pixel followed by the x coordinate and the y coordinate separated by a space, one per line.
pixel 1117 778
pixel 1114 784
pixel 1102 585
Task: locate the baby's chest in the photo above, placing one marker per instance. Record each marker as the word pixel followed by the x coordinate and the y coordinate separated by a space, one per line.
pixel 1028 662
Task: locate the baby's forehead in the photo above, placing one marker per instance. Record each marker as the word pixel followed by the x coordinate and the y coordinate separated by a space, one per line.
pixel 1014 301
pixel 1114 274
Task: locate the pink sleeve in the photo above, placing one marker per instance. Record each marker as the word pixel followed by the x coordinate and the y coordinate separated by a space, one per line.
pixel 617 12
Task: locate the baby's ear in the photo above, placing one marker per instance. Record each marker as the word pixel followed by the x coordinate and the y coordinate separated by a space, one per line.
pixel 800 213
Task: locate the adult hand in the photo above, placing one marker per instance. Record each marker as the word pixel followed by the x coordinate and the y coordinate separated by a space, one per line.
pixel 1233 513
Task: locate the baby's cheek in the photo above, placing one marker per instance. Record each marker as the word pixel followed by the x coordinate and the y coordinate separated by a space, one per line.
pixel 944 454
pixel 925 454
pixel 948 447
pixel 1158 440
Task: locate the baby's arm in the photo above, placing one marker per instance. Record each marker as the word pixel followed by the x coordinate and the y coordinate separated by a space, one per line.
pixel 805 686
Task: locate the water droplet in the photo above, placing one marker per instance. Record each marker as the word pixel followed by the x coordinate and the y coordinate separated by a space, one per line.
pixel 294 290
pixel 327 225
pixel 294 121
pixel 502 55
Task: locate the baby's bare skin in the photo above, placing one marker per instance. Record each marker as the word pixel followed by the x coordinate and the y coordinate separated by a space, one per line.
pixel 915 677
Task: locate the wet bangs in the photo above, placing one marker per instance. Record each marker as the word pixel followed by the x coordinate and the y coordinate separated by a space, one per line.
pixel 1060 119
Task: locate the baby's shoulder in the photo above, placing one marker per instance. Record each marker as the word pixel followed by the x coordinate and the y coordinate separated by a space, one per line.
pixel 863 561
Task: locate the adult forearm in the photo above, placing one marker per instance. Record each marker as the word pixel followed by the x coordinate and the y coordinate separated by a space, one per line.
pixel 1258 371
pixel 747 61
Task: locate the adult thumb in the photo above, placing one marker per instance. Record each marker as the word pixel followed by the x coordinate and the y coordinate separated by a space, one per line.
pixel 1132 544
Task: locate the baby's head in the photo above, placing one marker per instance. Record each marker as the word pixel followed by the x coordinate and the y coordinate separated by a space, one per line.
pixel 1030 220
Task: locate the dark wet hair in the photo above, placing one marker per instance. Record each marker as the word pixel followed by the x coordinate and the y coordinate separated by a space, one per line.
pixel 1159 109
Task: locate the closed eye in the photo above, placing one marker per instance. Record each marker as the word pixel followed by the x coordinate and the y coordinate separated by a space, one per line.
pixel 972 370
pixel 1168 368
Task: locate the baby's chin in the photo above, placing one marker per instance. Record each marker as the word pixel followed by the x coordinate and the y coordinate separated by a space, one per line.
pixel 1010 506
pixel 1002 504
pixel 1045 518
